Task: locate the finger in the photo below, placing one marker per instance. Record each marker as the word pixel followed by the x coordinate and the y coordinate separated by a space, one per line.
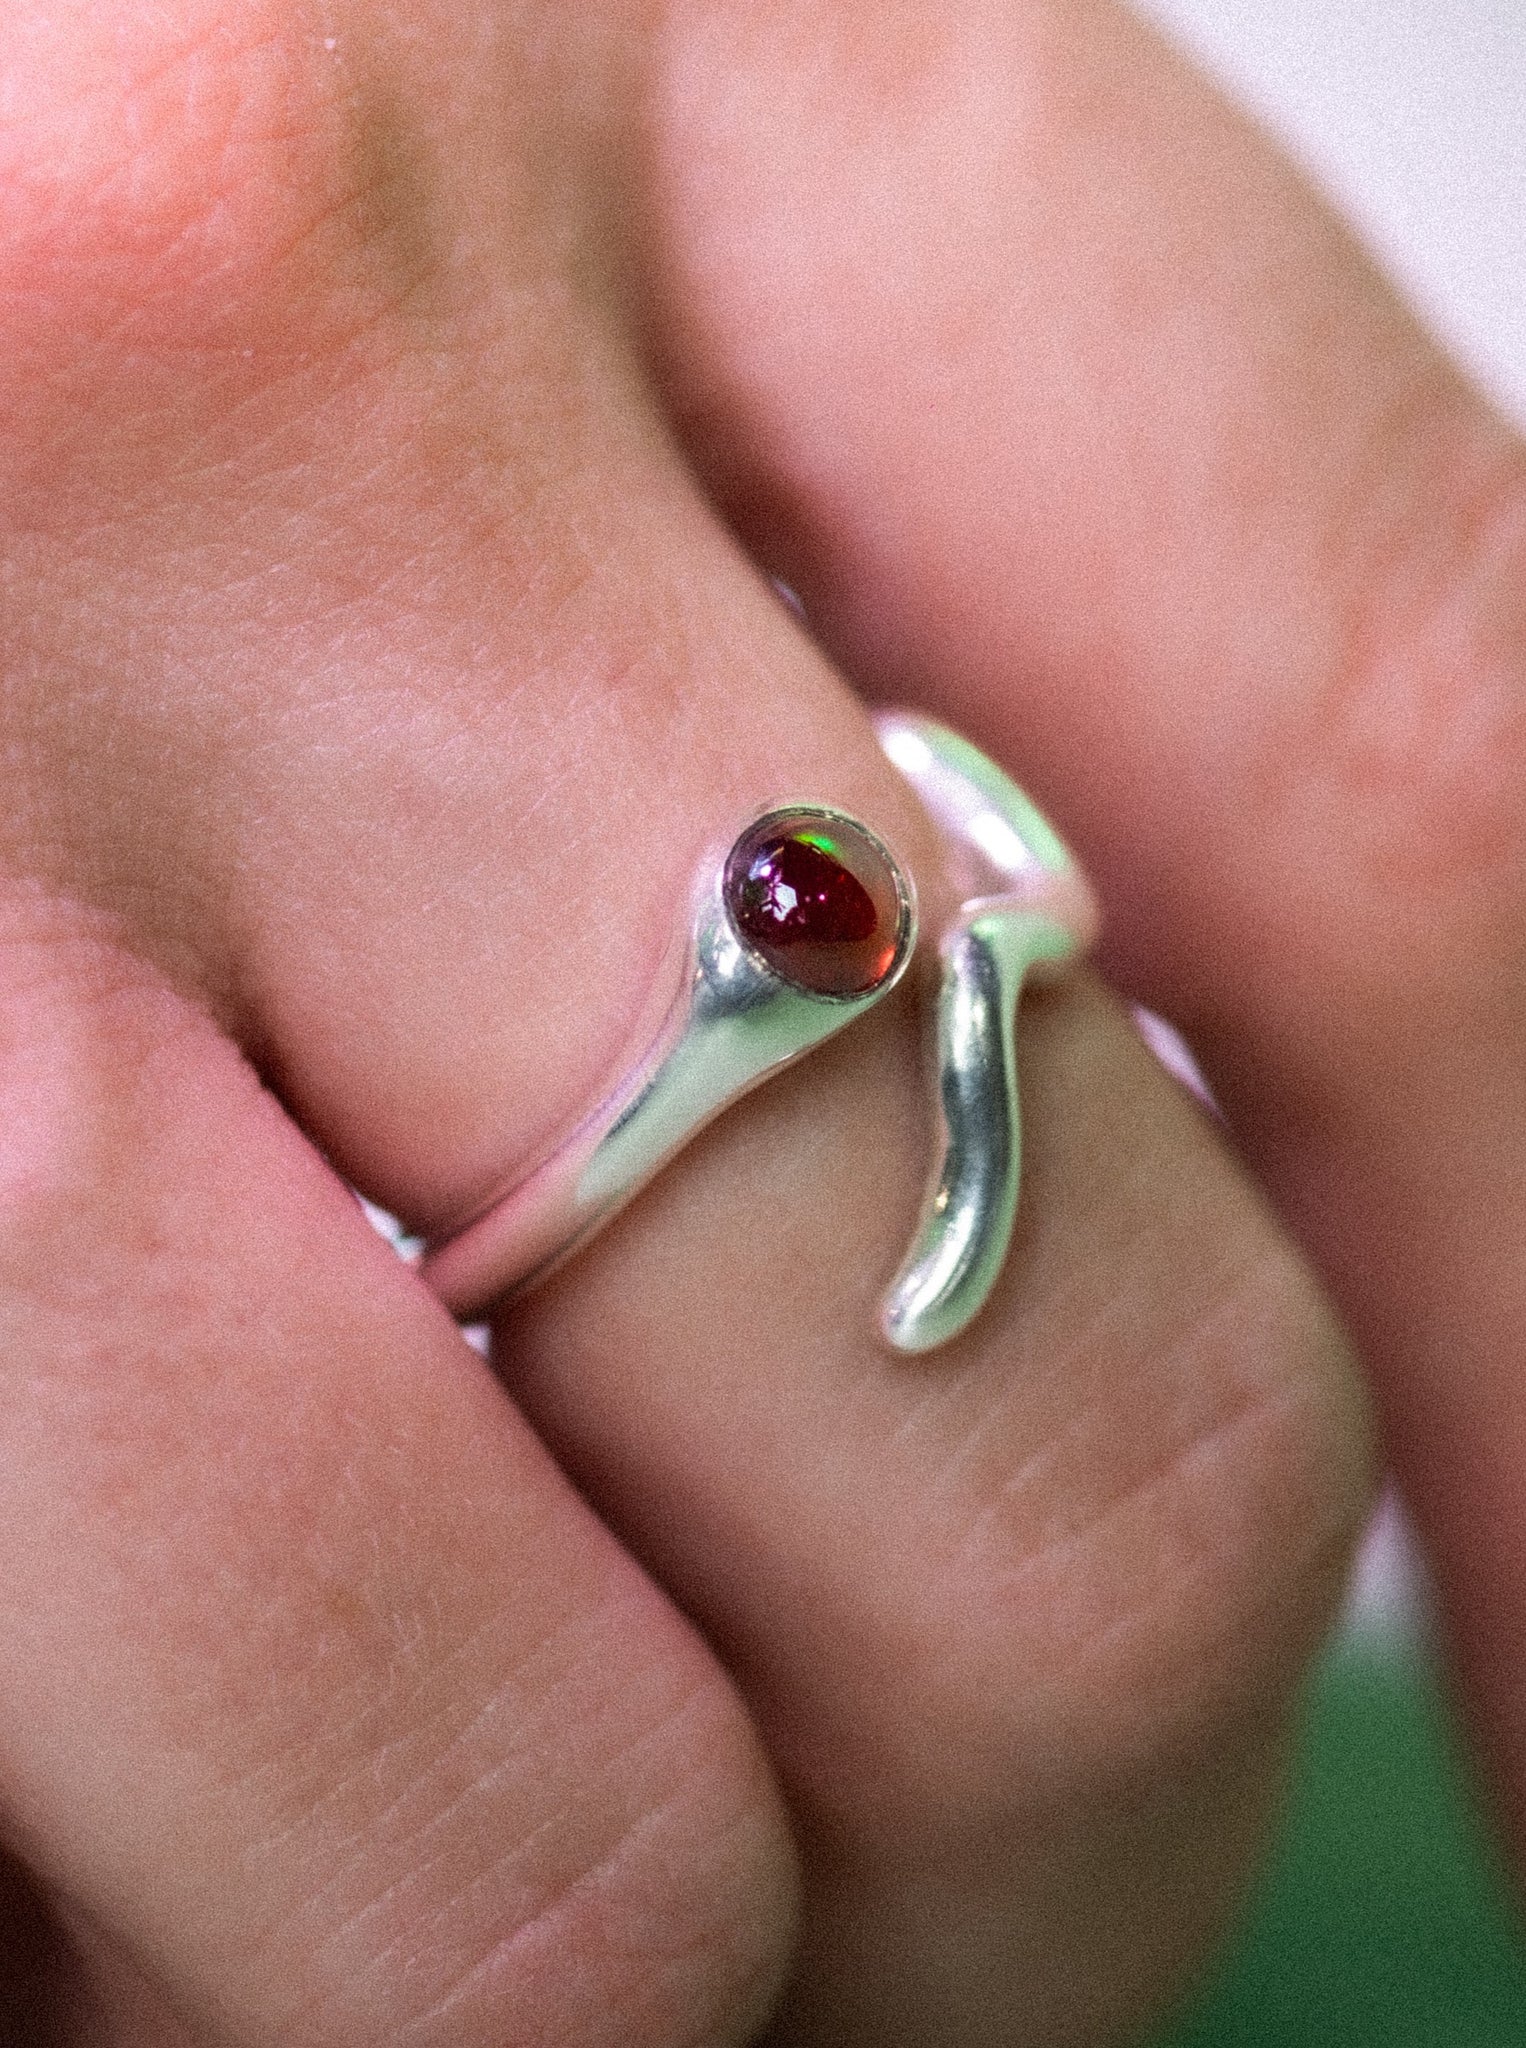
pixel 390 733
pixel 1020 1624
pixel 327 1709
pixel 1074 416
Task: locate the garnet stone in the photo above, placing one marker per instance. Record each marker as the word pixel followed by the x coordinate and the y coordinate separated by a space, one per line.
pixel 817 897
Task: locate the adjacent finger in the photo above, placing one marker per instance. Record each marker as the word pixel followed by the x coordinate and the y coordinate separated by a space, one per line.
pixel 325 1702
pixel 372 656
pixel 1075 417
pixel 1020 1622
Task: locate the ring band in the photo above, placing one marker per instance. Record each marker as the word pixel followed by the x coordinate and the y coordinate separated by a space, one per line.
pixel 1027 909
pixel 808 921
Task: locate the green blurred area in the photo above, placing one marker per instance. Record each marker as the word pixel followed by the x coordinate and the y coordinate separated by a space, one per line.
pixel 1385 1921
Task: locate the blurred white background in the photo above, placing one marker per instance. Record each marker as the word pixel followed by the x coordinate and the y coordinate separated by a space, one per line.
pixel 1412 115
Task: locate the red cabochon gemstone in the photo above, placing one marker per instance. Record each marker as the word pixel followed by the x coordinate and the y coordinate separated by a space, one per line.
pixel 817 899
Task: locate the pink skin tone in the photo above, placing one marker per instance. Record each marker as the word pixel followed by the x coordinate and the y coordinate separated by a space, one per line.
pixel 390 401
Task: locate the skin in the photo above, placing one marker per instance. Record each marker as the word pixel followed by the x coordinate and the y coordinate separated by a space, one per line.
pixel 397 408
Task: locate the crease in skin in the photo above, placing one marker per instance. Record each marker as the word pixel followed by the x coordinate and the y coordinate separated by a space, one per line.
pixel 1027 907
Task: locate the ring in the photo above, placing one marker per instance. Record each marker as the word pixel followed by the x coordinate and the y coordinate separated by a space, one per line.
pixel 805 922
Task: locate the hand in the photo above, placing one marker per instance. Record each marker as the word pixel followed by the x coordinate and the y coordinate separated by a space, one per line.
pixel 374 670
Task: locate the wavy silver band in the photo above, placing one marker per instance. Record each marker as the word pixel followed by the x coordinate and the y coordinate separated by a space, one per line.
pixel 1027 907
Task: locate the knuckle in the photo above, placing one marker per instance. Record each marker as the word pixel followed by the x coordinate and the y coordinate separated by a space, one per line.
pixel 637 1893
pixel 194 199
pixel 1146 1587
pixel 158 150
pixel 1238 1542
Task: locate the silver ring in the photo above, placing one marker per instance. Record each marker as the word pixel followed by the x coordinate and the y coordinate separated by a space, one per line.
pixel 807 921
